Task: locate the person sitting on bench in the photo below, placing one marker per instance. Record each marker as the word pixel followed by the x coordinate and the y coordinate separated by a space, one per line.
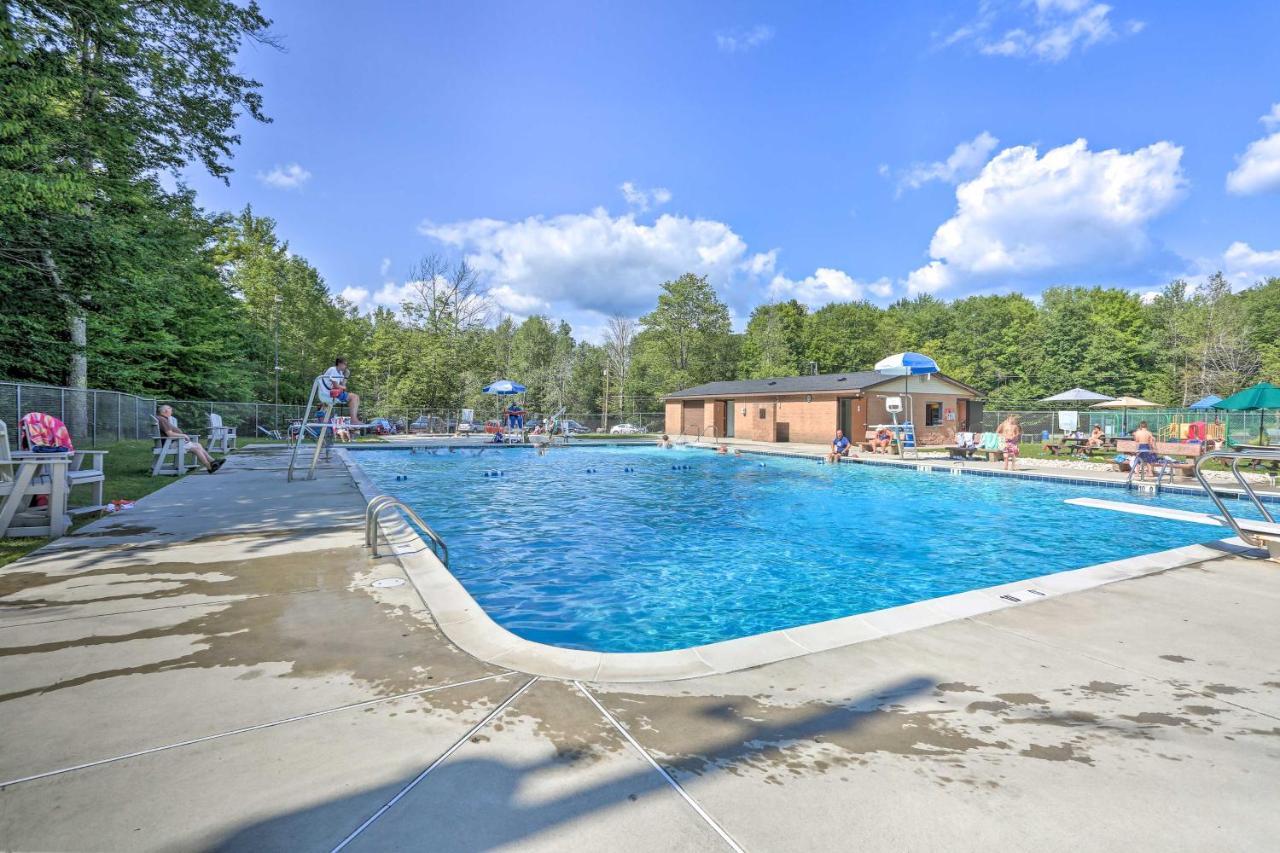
pixel 169 429
pixel 335 379
pixel 882 441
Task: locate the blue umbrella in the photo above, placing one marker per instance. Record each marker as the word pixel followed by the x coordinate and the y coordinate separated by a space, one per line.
pixel 1206 402
pixel 504 387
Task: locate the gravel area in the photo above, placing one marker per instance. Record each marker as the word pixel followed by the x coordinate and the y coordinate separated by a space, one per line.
pixel 1082 465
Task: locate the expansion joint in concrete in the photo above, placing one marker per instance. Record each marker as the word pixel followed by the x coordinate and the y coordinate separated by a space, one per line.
pixel 671 780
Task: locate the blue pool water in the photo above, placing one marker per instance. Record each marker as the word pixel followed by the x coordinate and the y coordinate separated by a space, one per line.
pixel 625 549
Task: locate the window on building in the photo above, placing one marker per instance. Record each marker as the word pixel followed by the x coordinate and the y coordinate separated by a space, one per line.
pixel 933 414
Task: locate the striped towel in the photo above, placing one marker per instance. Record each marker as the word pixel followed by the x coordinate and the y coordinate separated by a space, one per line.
pixel 40 430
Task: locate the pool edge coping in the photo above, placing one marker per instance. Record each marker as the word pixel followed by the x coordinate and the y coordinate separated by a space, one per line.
pixel 466 624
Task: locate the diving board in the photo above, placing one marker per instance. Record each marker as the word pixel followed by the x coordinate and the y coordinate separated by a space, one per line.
pixel 1268 531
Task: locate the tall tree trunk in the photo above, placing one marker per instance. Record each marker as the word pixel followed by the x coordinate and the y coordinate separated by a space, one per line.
pixel 77 403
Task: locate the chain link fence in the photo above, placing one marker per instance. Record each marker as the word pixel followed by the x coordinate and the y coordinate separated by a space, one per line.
pixel 1171 424
pixel 97 418
pixel 94 417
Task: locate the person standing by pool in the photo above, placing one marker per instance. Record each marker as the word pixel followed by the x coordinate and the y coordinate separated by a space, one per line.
pixel 839 447
pixel 1011 431
pixel 1144 460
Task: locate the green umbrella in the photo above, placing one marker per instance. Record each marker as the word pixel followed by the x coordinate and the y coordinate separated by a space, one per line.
pixel 1259 398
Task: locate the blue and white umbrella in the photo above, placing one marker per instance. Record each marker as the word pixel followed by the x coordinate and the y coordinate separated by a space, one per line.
pixel 504 387
pixel 907 364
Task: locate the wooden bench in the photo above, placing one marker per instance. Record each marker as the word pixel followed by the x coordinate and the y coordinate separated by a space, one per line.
pixel 1184 454
pixel 867 447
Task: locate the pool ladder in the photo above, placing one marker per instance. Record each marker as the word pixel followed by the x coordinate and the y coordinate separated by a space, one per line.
pixel 1236 456
pixel 383 502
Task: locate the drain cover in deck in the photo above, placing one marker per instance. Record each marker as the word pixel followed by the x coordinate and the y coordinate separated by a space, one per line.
pixel 387 582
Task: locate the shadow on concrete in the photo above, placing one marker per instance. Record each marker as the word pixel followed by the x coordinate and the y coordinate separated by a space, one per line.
pixel 473 804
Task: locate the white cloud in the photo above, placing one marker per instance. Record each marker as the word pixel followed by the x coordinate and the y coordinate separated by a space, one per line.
pixel 1258 168
pixel 596 262
pixel 739 40
pixel 289 177
pixel 586 267
pixel 1271 121
pixel 1243 265
pixel 825 286
pixel 1072 209
pixel 391 295
pixel 511 301
pixel 642 199
pixel 963 163
pixel 762 263
pixel 1047 30
pixel 384 267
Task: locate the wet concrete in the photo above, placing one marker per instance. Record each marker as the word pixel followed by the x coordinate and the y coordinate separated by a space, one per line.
pixel 216 672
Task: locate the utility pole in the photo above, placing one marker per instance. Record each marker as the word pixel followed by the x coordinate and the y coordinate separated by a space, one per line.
pixel 605 426
pixel 275 412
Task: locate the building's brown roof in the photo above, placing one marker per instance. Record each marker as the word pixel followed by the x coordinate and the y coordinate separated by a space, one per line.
pixel 821 383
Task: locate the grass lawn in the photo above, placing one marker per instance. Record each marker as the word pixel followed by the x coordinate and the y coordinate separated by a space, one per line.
pixel 128 467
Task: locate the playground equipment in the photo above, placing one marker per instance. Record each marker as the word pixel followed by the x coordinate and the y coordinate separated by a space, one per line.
pixel 1182 428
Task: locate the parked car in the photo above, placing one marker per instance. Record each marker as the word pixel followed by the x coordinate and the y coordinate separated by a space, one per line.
pixel 572 427
pixel 382 426
pixel 430 423
pixel 625 429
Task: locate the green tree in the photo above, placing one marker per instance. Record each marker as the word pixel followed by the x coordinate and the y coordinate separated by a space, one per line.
pixel 774 342
pixel 686 339
pixel 846 336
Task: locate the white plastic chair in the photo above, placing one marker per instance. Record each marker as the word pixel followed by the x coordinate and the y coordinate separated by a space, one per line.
pixel 222 439
pixel 170 453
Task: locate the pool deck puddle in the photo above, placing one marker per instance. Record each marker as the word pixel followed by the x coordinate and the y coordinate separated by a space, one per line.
pixel 215 669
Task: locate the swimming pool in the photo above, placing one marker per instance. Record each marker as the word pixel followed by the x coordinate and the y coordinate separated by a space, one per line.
pixel 638 549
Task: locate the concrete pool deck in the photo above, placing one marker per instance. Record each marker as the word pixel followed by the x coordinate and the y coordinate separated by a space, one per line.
pixel 216 669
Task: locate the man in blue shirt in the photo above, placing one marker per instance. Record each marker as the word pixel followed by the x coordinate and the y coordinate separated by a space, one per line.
pixel 839 447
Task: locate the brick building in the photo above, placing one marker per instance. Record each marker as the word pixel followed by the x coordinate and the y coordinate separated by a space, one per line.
pixel 811 408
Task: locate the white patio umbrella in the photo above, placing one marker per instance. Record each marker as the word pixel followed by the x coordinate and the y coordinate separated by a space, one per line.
pixel 1077 395
pixel 1126 403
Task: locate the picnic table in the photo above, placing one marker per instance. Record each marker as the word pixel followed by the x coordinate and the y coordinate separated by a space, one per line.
pixel 1272 465
pixel 37 474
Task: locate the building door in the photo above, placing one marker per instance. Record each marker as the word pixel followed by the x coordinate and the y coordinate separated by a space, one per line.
pixel 728 419
pixel 853 418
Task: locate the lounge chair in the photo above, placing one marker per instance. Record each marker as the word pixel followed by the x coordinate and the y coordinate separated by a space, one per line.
pixel 221 438
pixel 170 453
pixel 271 433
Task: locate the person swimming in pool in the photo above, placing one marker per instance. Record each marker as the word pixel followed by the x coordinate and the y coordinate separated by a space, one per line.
pixel 665 442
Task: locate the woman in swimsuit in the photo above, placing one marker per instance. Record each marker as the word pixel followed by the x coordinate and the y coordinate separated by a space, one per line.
pixel 1011 432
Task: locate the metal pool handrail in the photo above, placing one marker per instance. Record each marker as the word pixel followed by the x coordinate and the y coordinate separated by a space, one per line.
pixel 381 502
pixel 1236 456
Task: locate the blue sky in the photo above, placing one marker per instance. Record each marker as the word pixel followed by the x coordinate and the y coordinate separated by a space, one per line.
pixel 581 153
